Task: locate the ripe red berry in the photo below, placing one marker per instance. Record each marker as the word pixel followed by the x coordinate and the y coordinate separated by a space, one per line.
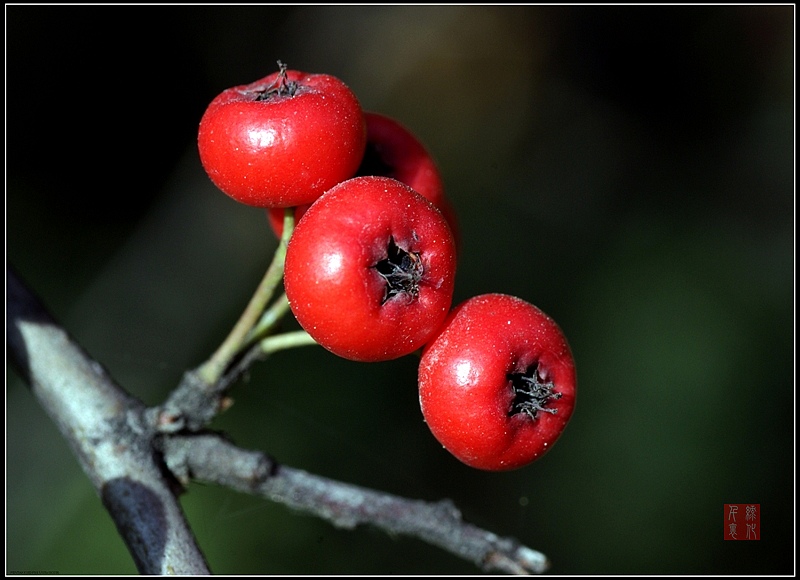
pixel 283 140
pixel 370 269
pixel 497 384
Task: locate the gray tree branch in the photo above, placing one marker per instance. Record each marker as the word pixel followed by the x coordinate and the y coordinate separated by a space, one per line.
pixel 210 458
pixel 105 428
pixel 137 459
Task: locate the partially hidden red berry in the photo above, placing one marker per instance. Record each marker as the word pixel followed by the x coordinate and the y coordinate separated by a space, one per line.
pixel 283 140
pixel 370 269
pixel 392 150
pixel 497 384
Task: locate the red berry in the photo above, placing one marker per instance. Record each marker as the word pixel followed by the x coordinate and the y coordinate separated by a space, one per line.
pixel 497 384
pixel 283 140
pixel 370 269
pixel 394 151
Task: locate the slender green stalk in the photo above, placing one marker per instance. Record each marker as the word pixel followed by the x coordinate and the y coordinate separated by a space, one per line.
pixel 270 318
pixel 214 368
pixel 285 340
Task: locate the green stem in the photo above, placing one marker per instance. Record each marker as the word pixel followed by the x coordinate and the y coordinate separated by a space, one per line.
pixel 286 340
pixel 212 370
pixel 271 316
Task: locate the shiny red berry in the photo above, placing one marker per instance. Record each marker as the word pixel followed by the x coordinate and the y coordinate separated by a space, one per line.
pixel 283 140
pixel 497 384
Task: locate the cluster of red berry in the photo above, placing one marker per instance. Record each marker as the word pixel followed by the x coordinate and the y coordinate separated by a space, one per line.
pixel 370 265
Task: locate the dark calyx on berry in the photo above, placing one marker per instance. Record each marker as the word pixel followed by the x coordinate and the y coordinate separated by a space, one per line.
pixel 401 270
pixel 531 393
pixel 281 87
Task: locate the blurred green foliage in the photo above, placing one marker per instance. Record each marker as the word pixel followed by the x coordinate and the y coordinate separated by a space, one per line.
pixel 630 170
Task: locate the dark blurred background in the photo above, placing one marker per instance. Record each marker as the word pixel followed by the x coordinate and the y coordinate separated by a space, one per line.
pixel 630 170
